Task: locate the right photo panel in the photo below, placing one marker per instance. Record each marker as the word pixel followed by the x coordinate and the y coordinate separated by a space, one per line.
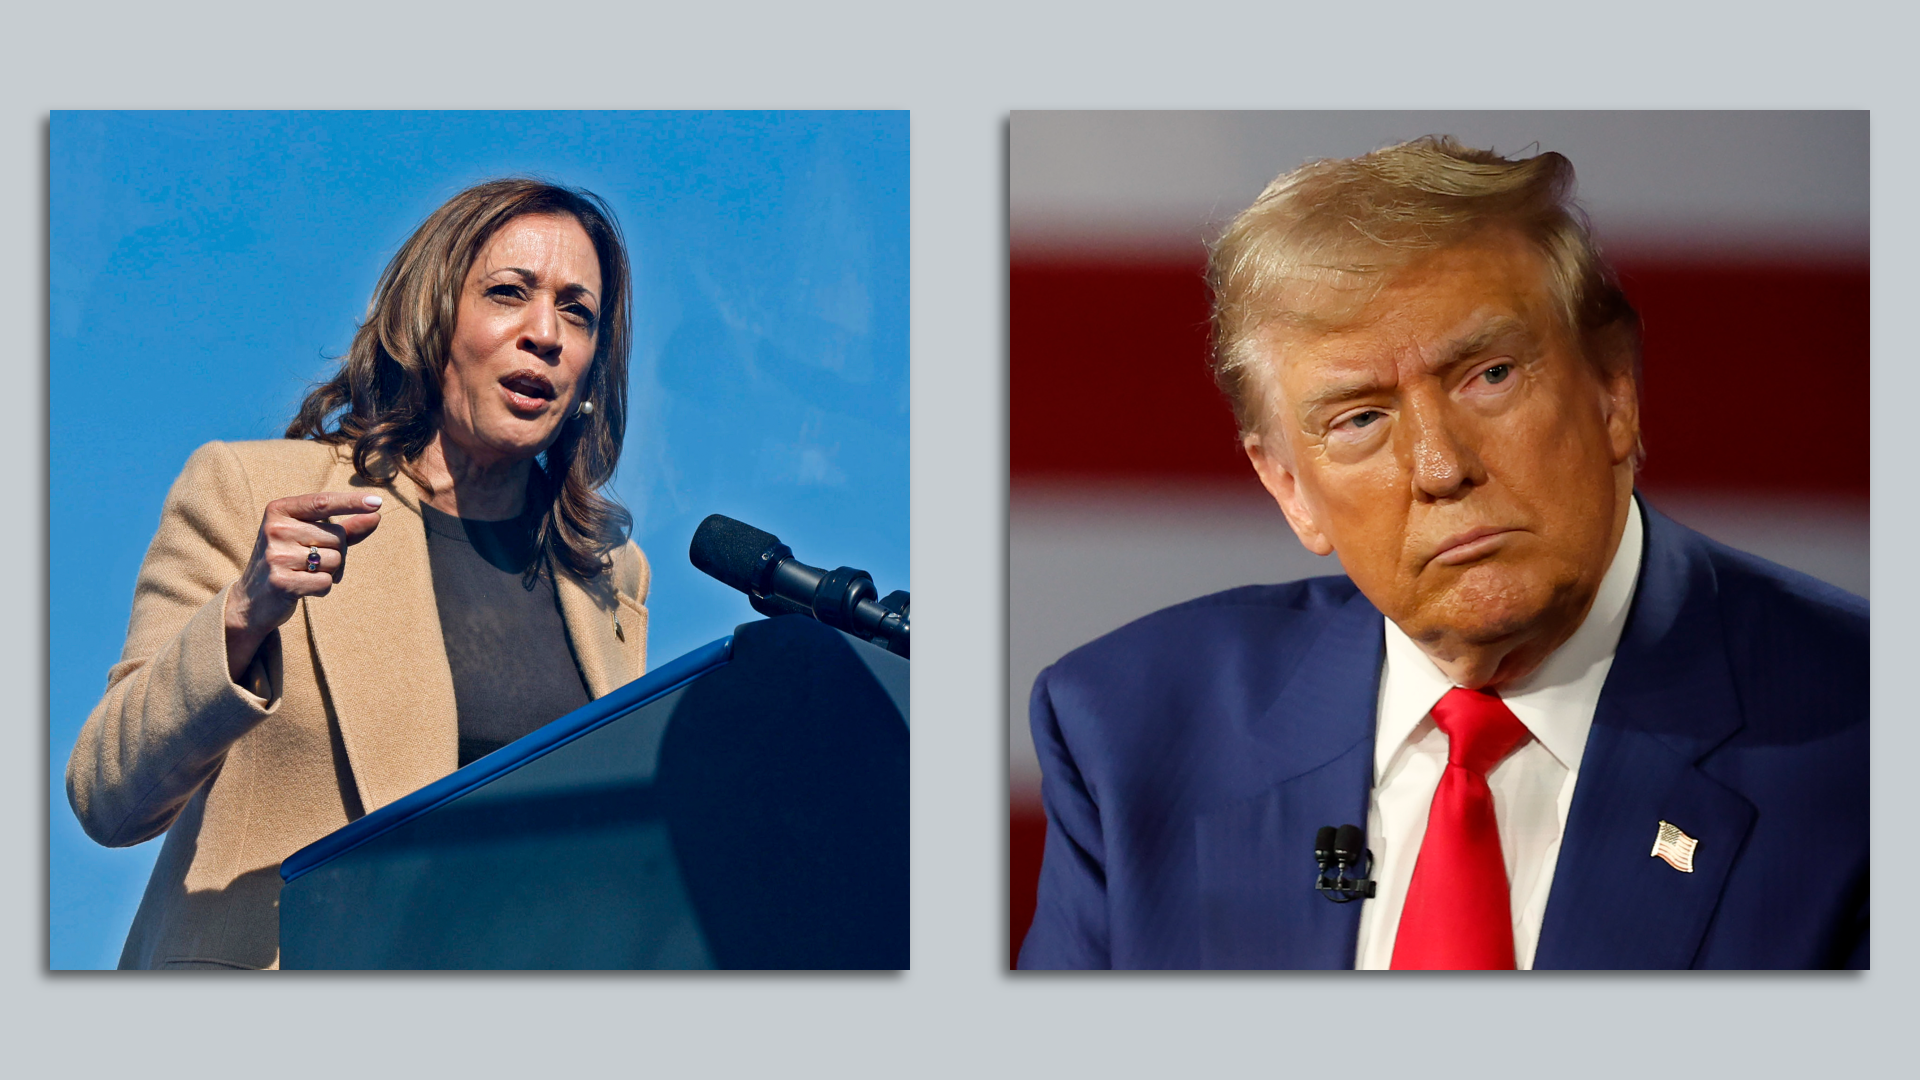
pixel 1438 540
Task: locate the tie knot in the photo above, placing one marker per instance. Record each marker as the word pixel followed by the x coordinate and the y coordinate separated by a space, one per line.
pixel 1480 729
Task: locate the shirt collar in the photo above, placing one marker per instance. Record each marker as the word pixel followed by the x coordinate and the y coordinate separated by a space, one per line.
pixel 1556 702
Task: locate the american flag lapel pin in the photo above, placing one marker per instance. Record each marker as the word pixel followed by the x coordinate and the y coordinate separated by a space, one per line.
pixel 1675 846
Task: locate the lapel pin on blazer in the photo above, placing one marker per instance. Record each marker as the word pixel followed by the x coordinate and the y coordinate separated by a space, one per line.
pixel 1675 846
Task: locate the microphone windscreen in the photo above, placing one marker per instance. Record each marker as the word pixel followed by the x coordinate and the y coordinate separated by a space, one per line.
pixel 1349 841
pixel 1323 840
pixel 729 550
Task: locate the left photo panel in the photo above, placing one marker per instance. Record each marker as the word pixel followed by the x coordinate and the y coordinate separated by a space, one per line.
pixel 478 540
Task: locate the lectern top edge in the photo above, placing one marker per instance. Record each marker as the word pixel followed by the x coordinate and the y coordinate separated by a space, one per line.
pixel 655 684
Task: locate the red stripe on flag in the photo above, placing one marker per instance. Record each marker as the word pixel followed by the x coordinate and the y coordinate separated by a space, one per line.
pixel 1109 379
pixel 1026 842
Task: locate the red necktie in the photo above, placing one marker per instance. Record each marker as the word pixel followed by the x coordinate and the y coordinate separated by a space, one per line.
pixel 1459 913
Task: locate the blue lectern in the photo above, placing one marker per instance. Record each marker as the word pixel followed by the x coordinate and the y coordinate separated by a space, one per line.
pixel 744 806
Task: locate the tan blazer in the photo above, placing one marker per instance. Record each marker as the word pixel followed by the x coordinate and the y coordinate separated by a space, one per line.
pixel 348 707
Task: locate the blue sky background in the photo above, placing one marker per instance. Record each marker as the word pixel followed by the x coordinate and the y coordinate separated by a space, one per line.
pixel 205 267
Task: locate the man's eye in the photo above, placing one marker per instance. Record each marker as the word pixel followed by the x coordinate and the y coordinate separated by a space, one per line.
pixel 1497 373
pixel 1360 420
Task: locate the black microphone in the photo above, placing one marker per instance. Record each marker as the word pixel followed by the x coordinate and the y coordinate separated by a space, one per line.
pixel 1336 852
pixel 1323 847
pixel 758 564
pixel 1348 843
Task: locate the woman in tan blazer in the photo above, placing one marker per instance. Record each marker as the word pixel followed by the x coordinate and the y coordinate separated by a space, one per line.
pixel 321 622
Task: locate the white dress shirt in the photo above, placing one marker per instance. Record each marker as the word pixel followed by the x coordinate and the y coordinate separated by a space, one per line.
pixel 1532 788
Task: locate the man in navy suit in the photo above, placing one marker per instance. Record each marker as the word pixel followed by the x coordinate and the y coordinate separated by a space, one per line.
pixel 1577 734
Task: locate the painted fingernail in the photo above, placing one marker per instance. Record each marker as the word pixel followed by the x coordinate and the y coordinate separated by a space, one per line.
pixel 373 500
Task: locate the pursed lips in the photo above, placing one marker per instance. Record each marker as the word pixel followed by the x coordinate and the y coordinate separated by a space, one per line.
pixel 1465 547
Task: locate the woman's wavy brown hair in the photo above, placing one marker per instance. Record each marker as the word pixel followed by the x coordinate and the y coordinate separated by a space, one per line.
pixel 385 400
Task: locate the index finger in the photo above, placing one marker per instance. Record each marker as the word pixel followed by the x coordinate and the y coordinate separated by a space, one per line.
pixel 322 505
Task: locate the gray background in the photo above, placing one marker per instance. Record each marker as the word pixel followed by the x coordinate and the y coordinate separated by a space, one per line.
pixel 960 69
pixel 1679 177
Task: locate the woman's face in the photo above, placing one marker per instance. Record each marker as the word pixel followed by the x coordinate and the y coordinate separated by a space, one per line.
pixel 529 316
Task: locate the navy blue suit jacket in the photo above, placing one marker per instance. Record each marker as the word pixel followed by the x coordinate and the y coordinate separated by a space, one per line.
pixel 1189 758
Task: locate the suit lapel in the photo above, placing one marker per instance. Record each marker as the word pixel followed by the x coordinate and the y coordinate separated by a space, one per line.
pixel 608 636
pixel 1669 701
pixel 383 663
pixel 377 640
pixel 1255 856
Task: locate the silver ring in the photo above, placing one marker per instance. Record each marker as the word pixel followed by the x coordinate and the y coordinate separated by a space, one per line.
pixel 313 560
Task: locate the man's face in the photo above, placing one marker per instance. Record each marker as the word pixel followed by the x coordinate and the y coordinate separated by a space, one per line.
pixel 1469 466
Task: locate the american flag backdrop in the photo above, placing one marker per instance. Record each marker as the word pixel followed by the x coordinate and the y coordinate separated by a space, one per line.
pixel 1741 237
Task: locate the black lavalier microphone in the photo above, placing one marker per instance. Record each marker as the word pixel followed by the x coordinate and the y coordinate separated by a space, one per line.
pixel 1336 852
pixel 776 583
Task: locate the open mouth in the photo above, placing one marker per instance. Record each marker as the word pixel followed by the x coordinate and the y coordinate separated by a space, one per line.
pixel 527 390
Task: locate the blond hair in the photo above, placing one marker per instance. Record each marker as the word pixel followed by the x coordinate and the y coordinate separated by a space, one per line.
pixel 1340 226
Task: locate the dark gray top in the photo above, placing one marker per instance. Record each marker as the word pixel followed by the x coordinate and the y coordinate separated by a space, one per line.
pixel 513 668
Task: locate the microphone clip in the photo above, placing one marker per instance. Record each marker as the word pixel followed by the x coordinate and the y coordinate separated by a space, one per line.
pixel 1341 854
